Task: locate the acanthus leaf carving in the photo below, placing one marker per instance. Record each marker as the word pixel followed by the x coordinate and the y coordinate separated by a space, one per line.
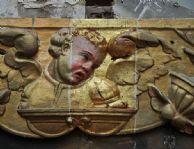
pixel 187 36
pixel 4 98
pixel 21 46
pixel 24 46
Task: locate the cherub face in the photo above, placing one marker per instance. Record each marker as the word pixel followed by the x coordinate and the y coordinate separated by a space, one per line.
pixel 80 62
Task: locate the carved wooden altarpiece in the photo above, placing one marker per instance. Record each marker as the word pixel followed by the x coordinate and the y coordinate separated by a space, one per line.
pixel 105 77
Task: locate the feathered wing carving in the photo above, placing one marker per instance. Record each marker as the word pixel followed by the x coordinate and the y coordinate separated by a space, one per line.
pixel 139 58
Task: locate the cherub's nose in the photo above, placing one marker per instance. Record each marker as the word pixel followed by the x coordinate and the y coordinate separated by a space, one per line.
pixel 87 66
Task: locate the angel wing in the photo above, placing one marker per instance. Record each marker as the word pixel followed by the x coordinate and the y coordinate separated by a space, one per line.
pixel 140 64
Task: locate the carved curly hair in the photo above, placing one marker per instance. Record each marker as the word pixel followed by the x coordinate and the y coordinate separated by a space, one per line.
pixel 61 41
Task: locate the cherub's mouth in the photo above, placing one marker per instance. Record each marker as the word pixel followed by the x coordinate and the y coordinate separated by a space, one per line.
pixel 80 75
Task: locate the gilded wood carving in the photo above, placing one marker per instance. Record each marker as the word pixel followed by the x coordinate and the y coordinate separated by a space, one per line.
pixel 105 77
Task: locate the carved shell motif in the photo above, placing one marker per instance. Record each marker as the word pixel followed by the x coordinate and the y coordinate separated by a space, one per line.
pixel 178 107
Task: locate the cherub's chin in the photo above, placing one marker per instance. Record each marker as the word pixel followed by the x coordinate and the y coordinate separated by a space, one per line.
pixel 76 81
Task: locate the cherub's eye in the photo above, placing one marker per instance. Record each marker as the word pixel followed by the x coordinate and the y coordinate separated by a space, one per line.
pixel 85 56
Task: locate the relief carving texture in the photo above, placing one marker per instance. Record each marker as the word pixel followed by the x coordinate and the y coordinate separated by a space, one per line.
pixel 104 79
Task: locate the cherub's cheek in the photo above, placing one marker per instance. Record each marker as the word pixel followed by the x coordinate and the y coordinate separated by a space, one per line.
pixel 77 62
pixel 76 65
